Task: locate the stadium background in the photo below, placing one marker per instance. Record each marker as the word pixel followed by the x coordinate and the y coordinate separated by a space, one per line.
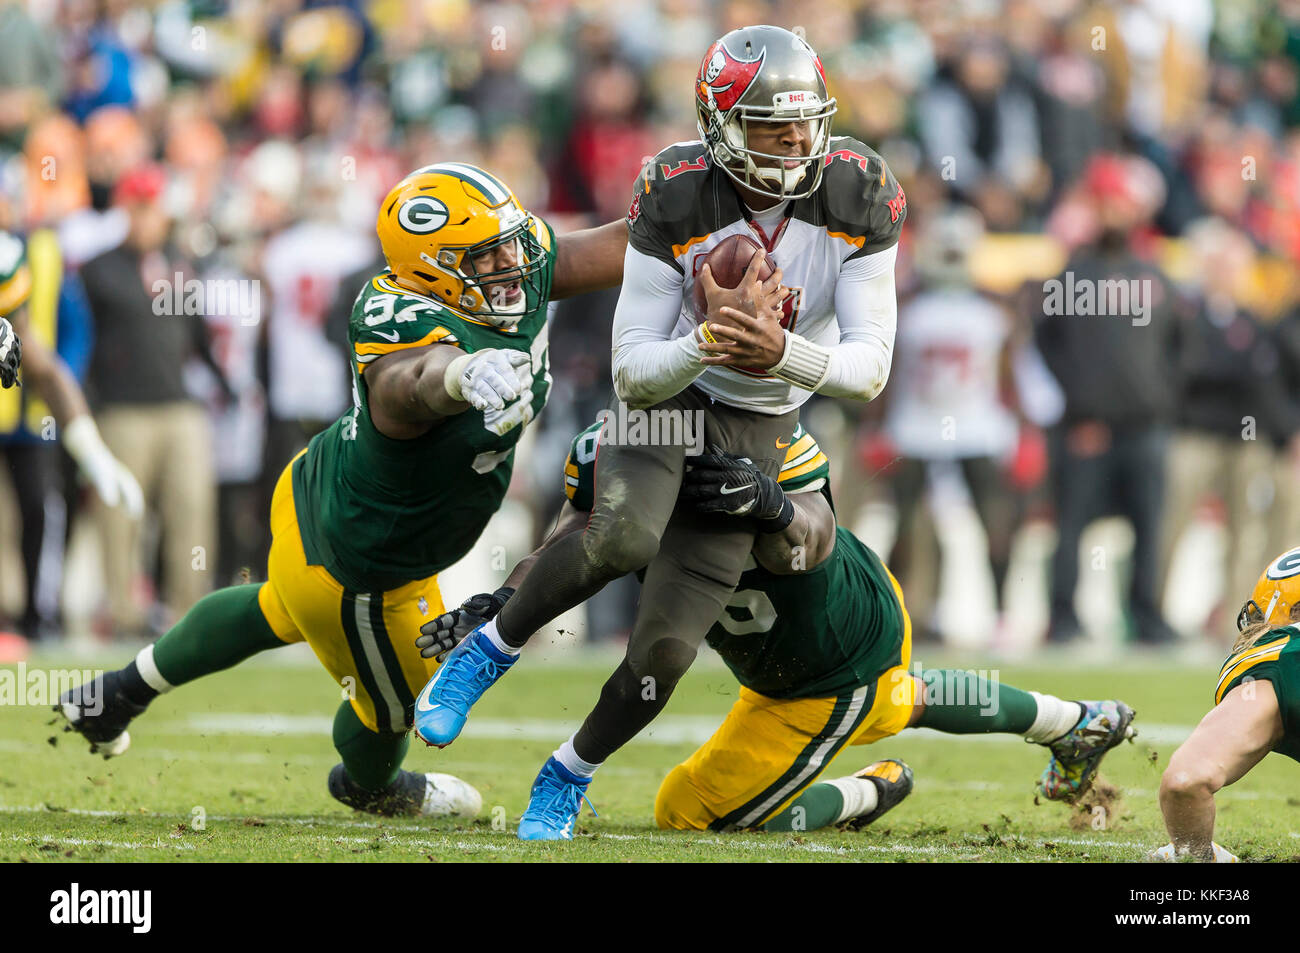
pixel 279 126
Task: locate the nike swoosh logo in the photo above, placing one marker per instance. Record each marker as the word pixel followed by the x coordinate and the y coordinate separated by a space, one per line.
pixel 731 489
pixel 780 445
pixel 422 703
pixel 393 339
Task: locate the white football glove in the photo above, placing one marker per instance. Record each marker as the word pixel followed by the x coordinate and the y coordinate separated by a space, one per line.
pixel 490 379
pixel 1167 855
pixel 114 483
pixel 518 414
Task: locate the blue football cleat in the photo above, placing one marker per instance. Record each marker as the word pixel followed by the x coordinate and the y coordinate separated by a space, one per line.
pixel 554 803
pixel 470 670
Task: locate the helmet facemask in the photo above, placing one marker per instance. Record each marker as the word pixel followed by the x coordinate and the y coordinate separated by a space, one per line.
pixel 765 172
pixel 478 295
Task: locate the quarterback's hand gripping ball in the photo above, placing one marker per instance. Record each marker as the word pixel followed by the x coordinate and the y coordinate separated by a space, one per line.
pixel 11 354
pixel 444 633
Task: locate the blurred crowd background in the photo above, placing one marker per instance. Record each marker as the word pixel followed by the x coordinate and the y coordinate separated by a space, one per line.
pixel 1020 464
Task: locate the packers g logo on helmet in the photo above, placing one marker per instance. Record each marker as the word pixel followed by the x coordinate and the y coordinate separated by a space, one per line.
pixel 422 215
pixel 441 217
pixel 1277 591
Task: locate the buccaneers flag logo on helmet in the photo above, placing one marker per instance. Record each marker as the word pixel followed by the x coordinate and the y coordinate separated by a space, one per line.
pixel 725 78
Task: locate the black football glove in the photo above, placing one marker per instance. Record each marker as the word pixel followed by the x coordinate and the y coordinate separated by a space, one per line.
pixel 719 482
pixel 11 354
pixel 444 633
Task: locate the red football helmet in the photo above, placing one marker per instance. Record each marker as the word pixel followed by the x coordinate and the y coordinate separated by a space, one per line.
pixel 763 74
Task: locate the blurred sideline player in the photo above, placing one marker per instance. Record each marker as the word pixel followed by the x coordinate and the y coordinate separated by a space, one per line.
pixel 952 368
pixel 57 316
pixel 28 296
pixel 820 641
pixel 449 363
pixel 766 167
pixel 1256 711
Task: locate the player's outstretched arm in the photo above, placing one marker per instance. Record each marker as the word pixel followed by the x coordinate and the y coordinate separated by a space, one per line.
pixel 1230 740
pixel 803 545
pixel 51 380
pixel 411 390
pixel 589 260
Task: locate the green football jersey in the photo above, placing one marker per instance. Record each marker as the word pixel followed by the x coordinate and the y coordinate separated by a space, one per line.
pixel 1274 658
pixel 808 635
pixel 378 512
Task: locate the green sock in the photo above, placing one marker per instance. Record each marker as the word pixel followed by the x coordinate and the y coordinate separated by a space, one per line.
pixel 964 703
pixel 372 759
pixel 222 629
pixel 819 806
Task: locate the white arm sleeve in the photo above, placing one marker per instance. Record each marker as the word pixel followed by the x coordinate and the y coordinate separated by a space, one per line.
pixel 649 364
pixel 867 310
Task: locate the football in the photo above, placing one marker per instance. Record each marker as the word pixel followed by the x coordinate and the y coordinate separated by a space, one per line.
pixel 728 261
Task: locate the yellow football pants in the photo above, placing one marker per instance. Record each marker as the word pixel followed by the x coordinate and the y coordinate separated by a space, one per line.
pixel 768 750
pixel 366 640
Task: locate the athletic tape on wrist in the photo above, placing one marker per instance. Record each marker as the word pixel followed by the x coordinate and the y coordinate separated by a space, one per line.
pixel 803 364
pixel 451 377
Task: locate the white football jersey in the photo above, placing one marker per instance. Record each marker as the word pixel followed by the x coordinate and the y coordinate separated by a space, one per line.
pixel 944 402
pixel 684 207
pixel 304 265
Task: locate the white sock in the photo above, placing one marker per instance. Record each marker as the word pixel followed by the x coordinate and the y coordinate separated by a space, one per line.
pixel 860 796
pixel 569 758
pixel 1055 717
pixel 149 671
pixel 492 635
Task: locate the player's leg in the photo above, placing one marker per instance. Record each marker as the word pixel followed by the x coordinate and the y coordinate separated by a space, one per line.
pixel 221 630
pixel 1140 486
pixel 637 482
pixel 759 767
pixel 33 470
pixel 1079 474
pixel 129 435
pixel 187 501
pixel 636 489
pixel 996 507
pixel 685 589
pixel 390 671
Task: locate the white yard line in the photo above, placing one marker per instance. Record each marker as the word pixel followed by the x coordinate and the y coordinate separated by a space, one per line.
pixel 157 844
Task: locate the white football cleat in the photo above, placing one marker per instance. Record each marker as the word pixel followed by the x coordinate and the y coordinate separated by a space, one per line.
pixel 1167 855
pixel 448 796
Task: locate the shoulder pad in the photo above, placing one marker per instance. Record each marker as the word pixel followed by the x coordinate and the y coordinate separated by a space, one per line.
pixel 677 198
pixel 805 468
pixel 864 203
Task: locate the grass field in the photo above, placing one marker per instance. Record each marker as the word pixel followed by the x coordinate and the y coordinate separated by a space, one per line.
pixel 249 749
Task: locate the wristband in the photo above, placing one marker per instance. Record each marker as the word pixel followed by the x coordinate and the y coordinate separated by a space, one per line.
pixel 451 377
pixel 803 363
